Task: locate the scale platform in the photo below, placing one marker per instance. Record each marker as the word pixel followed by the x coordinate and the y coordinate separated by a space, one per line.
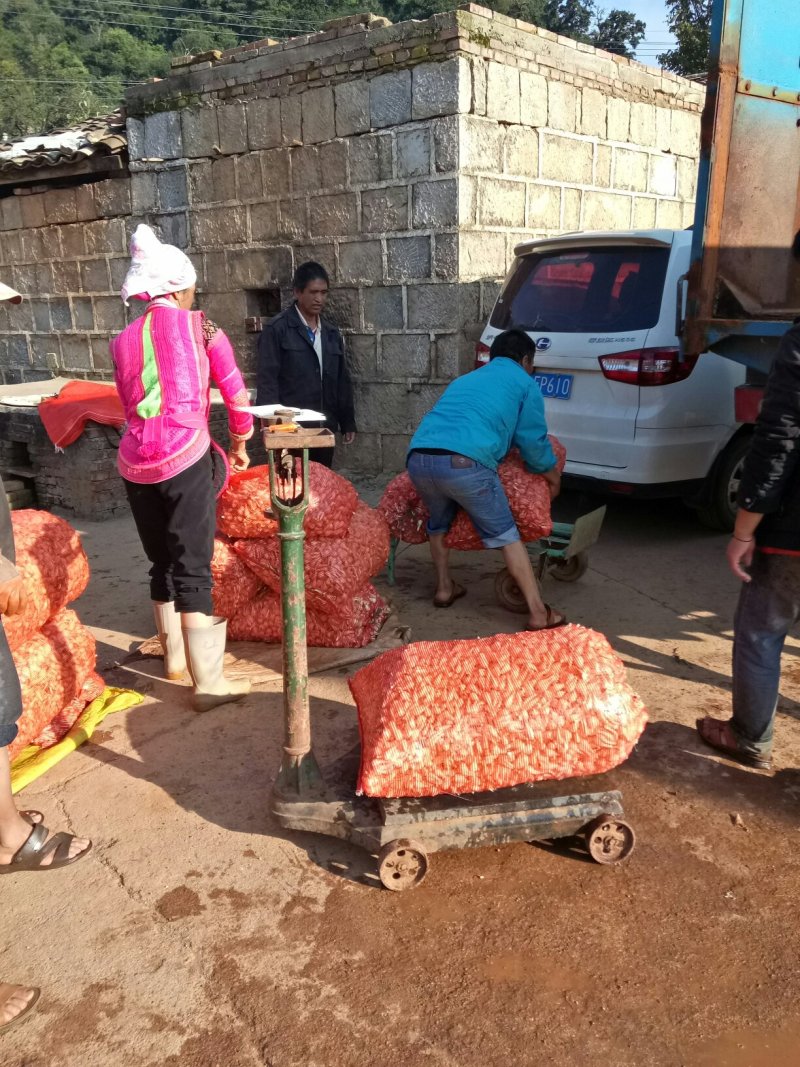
pixel 403 831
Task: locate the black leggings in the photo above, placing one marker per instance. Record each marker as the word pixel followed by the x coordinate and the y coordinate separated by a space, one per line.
pixel 176 520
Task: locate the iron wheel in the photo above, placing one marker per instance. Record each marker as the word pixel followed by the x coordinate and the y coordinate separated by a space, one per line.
pixel 402 864
pixel 609 840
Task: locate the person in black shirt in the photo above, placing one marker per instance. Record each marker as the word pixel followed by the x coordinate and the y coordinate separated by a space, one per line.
pixel 301 360
pixel 764 553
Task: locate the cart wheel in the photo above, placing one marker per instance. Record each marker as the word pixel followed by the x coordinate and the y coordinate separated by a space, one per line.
pixel 609 839
pixel 402 864
pixel 508 593
pixel 570 570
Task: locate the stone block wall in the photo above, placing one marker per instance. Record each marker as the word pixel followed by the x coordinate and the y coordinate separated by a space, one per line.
pixel 409 159
pixel 65 250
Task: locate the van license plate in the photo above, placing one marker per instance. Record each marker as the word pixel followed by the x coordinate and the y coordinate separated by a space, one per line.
pixel 554 386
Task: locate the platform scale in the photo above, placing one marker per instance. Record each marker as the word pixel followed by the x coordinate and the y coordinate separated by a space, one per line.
pixel 404 831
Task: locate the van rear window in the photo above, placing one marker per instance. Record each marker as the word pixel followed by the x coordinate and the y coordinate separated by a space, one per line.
pixel 606 290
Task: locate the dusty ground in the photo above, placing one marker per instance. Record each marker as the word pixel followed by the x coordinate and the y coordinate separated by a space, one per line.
pixel 200 935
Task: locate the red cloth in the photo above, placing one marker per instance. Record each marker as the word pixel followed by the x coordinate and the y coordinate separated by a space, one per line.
pixel 65 416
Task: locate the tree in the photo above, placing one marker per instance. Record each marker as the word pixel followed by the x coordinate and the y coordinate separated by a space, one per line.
pixel 619 32
pixel 690 22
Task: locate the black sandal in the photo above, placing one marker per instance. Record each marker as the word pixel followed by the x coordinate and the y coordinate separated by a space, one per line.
pixel 549 624
pixel 38 847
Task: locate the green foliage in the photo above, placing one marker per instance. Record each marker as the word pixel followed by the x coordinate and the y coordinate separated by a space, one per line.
pixel 65 60
pixel 690 22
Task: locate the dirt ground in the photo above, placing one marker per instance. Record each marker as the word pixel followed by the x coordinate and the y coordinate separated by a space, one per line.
pixel 200 935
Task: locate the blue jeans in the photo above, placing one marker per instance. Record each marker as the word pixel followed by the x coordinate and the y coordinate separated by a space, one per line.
pixel 445 487
pixel 769 605
pixel 10 694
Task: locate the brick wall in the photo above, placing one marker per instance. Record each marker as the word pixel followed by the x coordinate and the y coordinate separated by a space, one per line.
pixel 409 159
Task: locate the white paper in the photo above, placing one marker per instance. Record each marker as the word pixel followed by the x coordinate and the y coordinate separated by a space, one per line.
pixel 267 411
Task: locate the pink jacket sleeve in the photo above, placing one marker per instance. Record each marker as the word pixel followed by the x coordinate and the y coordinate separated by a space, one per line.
pixel 228 379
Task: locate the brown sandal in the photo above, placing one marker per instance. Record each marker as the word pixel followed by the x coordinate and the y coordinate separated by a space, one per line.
pixel 6 993
pixel 560 620
pixel 38 847
pixel 458 592
pixel 717 734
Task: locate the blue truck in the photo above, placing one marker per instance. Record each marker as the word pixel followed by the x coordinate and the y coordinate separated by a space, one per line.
pixel 742 291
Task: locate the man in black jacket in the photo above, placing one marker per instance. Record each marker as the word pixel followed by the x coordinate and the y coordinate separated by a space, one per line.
pixel 301 360
pixel 764 553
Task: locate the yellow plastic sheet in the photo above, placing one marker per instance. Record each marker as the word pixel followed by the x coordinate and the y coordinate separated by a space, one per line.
pixel 32 762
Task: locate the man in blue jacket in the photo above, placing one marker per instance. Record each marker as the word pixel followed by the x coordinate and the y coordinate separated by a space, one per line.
pixel 453 459
pixel 301 360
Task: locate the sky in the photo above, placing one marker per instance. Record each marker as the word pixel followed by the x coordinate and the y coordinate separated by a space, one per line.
pixel 654 14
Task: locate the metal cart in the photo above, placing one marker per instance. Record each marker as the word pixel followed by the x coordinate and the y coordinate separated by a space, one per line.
pixel 564 555
pixel 403 832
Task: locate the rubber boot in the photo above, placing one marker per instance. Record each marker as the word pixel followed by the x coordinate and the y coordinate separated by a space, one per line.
pixel 205 653
pixel 168 626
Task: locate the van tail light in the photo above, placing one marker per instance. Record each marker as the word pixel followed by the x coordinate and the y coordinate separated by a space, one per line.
pixel 481 354
pixel 648 366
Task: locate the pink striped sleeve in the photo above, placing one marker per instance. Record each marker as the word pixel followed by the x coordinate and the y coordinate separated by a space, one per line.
pixel 230 383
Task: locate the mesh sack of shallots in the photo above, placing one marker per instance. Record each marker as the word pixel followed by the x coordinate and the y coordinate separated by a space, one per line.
pixel 242 508
pixel 356 622
pixel 53 667
pixel 335 568
pixel 234 583
pixel 53 567
pixel 466 716
pixel 528 495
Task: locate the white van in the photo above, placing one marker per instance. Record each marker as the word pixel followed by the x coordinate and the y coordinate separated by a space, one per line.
pixel 634 418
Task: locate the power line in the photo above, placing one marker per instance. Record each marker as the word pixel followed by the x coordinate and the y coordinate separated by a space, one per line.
pixel 159 26
pixel 219 19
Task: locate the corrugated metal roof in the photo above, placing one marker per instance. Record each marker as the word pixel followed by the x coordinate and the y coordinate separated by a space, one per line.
pixel 99 136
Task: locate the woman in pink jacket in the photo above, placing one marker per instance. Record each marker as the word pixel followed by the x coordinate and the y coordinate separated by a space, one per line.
pixel 163 365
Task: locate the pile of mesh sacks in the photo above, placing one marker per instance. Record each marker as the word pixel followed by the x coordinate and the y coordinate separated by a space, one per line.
pixel 467 716
pixel 347 544
pixel 54 653
pixel 528 495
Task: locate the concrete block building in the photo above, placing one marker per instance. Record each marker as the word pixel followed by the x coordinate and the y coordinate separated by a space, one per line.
pixel 410 159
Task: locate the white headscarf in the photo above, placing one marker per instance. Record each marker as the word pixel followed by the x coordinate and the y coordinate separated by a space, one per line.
pixel 156 269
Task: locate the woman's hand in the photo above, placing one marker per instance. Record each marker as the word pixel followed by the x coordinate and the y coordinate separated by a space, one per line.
pixel 238 458
pixel 12 597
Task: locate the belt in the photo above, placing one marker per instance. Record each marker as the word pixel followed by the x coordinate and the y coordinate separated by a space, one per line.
pixel 456 459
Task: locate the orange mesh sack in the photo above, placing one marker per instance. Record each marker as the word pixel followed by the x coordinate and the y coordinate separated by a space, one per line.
pixel 528 495
pixel 335 568
pixel 92 688
pixel 406 515
pixel 52 667
pixel 465 716
pixel 241 508
pixel 258 619
pixel 356 622
pixel 53 566
pixel 234 582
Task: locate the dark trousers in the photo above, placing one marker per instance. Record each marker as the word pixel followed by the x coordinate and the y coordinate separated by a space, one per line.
pixel 176 520
pixel 10 694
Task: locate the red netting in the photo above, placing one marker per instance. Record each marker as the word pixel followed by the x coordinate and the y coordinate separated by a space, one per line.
pixel 53 667
pixel 356 622
pixel 241 508
pixel 92 688
pixel 335 568
pixel 465 716
pixel 234 582
pixel 53 566
pixel 528 496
